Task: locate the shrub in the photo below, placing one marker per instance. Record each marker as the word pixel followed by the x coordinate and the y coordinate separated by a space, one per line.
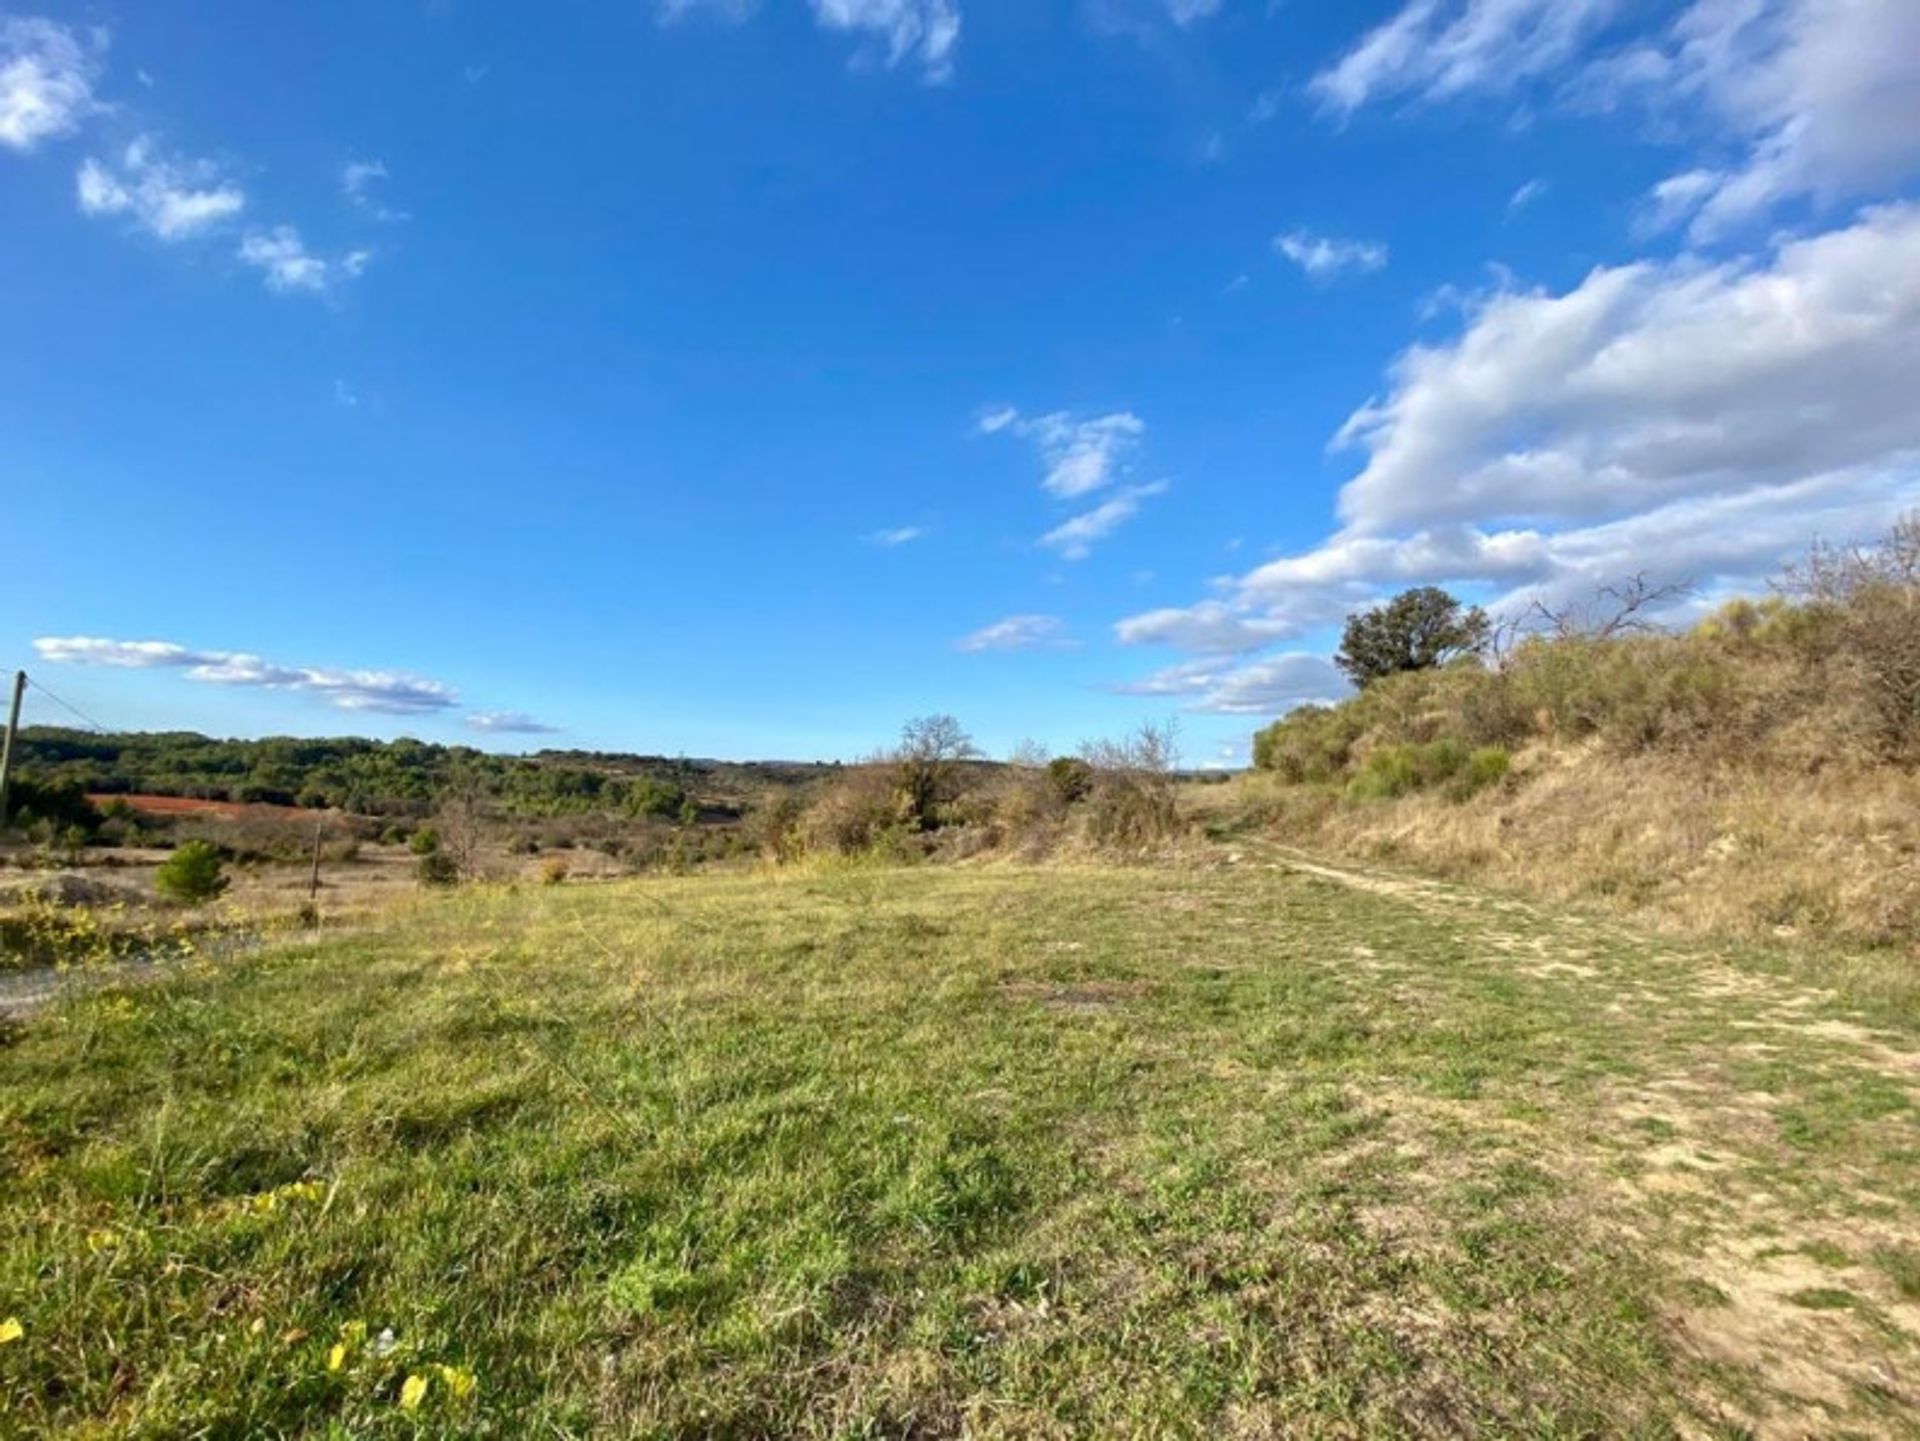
pixel 1070 778
pixel 436 868
pixel 192 874
pixel 554 871
pixel 1132 804
pixel 425 842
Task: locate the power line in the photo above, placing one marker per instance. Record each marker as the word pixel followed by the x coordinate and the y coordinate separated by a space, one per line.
pixel 68 707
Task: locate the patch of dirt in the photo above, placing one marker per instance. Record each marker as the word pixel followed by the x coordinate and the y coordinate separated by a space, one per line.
pixel 1076 996
pixel 1812 1358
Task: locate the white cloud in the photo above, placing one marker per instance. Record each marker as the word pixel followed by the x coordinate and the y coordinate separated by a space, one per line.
pixel 1651 381
pixel 1211 627
pixel 509 722
pixel 1081 455
pixel 1074 539
pixel 374 691
pixel 1269 686
pixel 1016 632
pixel 1697 422
pixel 1324 256
pixel 1438 49
pixel 46 81
pixel 1526 195
pixel 360 182
pixel 1824 95
pixel 897 536
pixel 1803 99
pixel 169 199
pixel 287 266
pixel 924 32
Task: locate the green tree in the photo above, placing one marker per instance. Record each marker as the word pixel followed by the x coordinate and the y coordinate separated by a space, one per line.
pixel 1416 630
pixel 192 874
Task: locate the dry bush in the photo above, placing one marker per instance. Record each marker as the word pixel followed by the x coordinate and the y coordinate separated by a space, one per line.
pixel 1870 598
pixel 1131 806
pixel 854 811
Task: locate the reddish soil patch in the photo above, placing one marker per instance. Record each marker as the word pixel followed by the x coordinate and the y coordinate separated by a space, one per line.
pixel 188 806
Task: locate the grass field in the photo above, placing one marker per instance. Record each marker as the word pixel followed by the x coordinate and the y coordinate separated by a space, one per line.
pixel 1228 1149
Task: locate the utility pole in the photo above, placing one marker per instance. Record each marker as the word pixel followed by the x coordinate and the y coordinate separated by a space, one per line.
pixel 313 885
pixel 6 747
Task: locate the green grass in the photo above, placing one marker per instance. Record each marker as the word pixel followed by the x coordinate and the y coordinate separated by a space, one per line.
pixel 1209 1151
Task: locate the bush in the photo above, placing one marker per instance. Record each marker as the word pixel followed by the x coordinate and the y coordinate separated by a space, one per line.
pixel 436 868
pixel 425 842
pixel 1132 804
pixel 1070 778
pixel 192 874
pixel 554 871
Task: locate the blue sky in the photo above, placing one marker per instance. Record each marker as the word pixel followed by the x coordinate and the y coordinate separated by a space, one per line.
pixel 742 378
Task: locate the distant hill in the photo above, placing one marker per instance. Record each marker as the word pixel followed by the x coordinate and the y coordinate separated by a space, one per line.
pixel 400 777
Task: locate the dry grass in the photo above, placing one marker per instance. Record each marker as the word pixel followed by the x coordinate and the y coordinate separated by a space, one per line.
pixel 1710 851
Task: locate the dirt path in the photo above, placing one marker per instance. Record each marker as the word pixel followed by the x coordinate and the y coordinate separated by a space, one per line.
pixel 1801 1271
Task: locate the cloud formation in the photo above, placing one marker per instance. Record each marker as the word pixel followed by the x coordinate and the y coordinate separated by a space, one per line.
pixel 919 32
pixel 1324 256
pixel 287 266
pixel 1696 421
pixel 1016 632
pixel 47 76
pixel 1269 686
pixel 370 691
pixel 1823 94
pixel 1439 49
pixel 1817 99
pixel 169 199
pixel 1074 538
pixel 1081 455
pixel 897 536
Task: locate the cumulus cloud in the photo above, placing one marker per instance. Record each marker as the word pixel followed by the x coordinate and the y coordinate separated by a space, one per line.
pixel 920 32
pixel 1439 49
pixel 1080 455
pixel 1016 632
pixel 1268 686
pixel 1074 539
pixel 1651 381
pixel 1694 422
pixel 287 266
pixel 509 722
pixel 373 691
pixel 1324 256
pixel 46 81
pixel 170 199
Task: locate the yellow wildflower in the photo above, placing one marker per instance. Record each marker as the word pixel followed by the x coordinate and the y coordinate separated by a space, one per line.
pixel 458 1380
pixel 412 1392
pixel 337 1357
pixel 11 1330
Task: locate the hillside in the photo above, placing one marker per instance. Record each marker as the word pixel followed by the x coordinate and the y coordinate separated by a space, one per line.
pixel 1756 772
